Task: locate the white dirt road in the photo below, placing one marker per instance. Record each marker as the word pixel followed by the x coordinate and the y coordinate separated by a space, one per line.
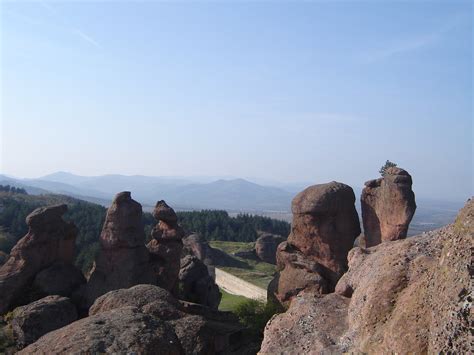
pixel 237 286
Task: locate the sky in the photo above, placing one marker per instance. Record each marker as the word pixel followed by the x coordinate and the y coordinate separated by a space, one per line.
pixel 285 91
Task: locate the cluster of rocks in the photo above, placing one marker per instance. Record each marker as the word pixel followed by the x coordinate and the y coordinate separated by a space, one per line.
pixel 407 296
pixel 396 295
pixel 129 303
pixel 325 228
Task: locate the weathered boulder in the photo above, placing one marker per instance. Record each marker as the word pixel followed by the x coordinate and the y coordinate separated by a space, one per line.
pixel 32 321
pixel 196 285
pixel 118 331
pixel 145 319
pixel 49 240
pixel 58 279
pixel 140 297
pixel 123 259
pixel 325 225
pixel 408 296
pixel 388 205
pixel 165 246
pixel 266 247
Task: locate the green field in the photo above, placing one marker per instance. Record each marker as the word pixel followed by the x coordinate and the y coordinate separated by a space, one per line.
pixel 255 272
pixel 229 302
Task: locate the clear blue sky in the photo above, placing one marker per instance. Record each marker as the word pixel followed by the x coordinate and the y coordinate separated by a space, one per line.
pixel 289 91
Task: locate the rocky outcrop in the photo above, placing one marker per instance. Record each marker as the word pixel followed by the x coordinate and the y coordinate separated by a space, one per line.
pixel 266 247
pixel 32 321
pixel 388 205
pixel 196 285
pixel 325 225
pixel 166 246
pixel 123 259
pixel 407 296
pixel 144 319
pixel 49 240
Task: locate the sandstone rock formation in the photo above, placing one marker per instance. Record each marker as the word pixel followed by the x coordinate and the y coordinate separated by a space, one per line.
pixel 49 240
pixel 144 319
pixel 325 225
pixel 166 246
pixel 32 321
pixel 388 205
pixel 408 296
pixel 196 285
pixel 266 247
pixel 123 260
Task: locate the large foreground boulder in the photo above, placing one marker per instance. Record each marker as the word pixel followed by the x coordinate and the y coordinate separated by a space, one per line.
pixel 325 225
pixel 32 321
pixel 123 259
pixel 165 246
pixel 49 240
pixel 144 319
pixel 118 331
pixel 388 205
pixel 406 296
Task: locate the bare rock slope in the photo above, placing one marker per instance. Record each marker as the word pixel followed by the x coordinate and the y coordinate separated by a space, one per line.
pixel 412 295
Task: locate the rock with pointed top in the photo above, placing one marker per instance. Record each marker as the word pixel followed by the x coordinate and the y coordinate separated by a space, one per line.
pixel 123 259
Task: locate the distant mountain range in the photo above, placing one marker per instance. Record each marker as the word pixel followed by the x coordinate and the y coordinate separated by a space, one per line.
pixel 233 195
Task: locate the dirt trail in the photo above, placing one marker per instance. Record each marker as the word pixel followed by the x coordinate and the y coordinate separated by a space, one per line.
pixel 237 286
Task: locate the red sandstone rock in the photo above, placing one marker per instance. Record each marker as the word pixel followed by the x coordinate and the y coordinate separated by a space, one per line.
pixel 388 205
pixel 49 240
pixel 325 225
pixel 166 246
pixel 123 260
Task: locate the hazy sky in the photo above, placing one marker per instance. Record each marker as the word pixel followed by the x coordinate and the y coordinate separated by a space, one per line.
pixel 289 91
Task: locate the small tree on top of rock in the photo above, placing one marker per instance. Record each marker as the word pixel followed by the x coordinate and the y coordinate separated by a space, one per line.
pixel 388 164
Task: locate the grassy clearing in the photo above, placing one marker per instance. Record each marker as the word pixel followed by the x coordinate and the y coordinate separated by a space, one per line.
pixel 257 272
pixel 230 302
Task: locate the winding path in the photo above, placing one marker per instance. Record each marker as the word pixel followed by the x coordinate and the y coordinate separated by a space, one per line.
pixel 236 286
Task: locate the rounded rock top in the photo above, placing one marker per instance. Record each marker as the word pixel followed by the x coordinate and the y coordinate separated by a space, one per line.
pixel 323 198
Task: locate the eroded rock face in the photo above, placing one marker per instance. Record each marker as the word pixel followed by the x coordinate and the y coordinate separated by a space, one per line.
pixel 196 285
pixel 49 240
pixel 388 205
pixel 325 225
pixel 266 247
pixel 165 246
pixel 32 321
pixel 408 296
pixel 123 260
